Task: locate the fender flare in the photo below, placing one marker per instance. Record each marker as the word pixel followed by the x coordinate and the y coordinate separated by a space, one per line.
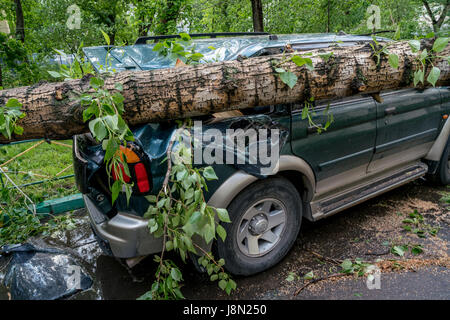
pixel 223 196
pixel 440 143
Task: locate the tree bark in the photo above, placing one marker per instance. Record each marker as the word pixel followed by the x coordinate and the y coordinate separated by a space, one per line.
pixel 258 18
pixel 20 22
pixel 153 96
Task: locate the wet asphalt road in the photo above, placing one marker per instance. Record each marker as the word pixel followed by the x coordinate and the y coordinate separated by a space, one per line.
pixel 366 231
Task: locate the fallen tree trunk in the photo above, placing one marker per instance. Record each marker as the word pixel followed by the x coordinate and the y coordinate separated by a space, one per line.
pixel 52 110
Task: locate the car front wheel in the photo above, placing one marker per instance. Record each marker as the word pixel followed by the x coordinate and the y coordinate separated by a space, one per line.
pixel 266 219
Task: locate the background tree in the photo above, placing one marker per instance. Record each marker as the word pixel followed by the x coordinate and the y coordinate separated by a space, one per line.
pixel 43 28
pixel 257 13
pixel 20 22
pixel 437 11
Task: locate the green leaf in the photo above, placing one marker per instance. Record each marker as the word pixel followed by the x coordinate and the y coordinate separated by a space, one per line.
pixel 13 103
pixel 440 44
pixel 222 284
pixel 118 86
pixel 229 287
pixel 151 198
pixel 289 78
pixel 418 77
pixel 169 245
pixel 291 277
pixel 96 82
pixel 176 274
pixel 214 277
pixel 158 46
pixel 326 56
pixel 434 75
pixel 153 225
pixel 423 55
pixel 161 203
pixel 209 174
pixel 299 61
pixel 393 61
pixel 107 39
pixel 223 215
pixel 417 249
pixel 185 37
pixel 415 45
pixel 55 74
pixel 347 265
pixel 111 148
pixel 430 35
pixel 309 64
pixel 221 232
pixel 195 217
pixel 309 276
pixel 398 250
pixel 18 130
pixel 280 70
pixel 305 112
pixel 115 189
pixel 178 293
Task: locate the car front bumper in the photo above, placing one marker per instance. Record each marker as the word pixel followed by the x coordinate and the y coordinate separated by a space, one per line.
pixel 127 236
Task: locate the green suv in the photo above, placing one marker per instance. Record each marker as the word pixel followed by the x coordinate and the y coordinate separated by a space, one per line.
pixel 371 147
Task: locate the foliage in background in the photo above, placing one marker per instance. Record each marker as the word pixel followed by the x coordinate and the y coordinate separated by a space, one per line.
pixel 124 20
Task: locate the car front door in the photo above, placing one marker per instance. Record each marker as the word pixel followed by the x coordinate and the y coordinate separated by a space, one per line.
pixel 340 155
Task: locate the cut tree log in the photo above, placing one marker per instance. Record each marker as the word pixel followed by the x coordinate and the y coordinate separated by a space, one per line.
pixel 53 112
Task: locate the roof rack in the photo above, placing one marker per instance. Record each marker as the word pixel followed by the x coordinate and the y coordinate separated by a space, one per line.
pixel 143 40
pixel 376 32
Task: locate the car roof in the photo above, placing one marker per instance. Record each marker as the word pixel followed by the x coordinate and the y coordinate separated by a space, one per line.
pixel 142 57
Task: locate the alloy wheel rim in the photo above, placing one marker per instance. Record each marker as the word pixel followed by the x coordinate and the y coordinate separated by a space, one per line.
pixel 261 227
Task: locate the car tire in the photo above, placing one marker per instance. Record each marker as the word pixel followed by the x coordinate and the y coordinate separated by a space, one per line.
pixel 266 218
pixel 442 174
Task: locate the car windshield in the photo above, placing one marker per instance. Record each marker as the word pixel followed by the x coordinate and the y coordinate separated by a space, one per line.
pixel 142 56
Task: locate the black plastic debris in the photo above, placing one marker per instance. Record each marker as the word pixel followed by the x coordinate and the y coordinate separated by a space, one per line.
pixel 42 274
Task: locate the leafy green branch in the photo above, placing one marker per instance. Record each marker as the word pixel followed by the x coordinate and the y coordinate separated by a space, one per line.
pixel 10 113
pixel 75 70
pixel 178 213
pixel 109 128
pixel 181 48
pixel 287 76
pixel 308 113
pixel 290 79
pixel 424 57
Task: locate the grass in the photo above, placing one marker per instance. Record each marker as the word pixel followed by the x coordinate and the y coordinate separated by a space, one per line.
pixel 445 196
pixel 41 163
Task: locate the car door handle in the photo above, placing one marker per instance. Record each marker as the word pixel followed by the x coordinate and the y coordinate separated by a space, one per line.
pixel 390 110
